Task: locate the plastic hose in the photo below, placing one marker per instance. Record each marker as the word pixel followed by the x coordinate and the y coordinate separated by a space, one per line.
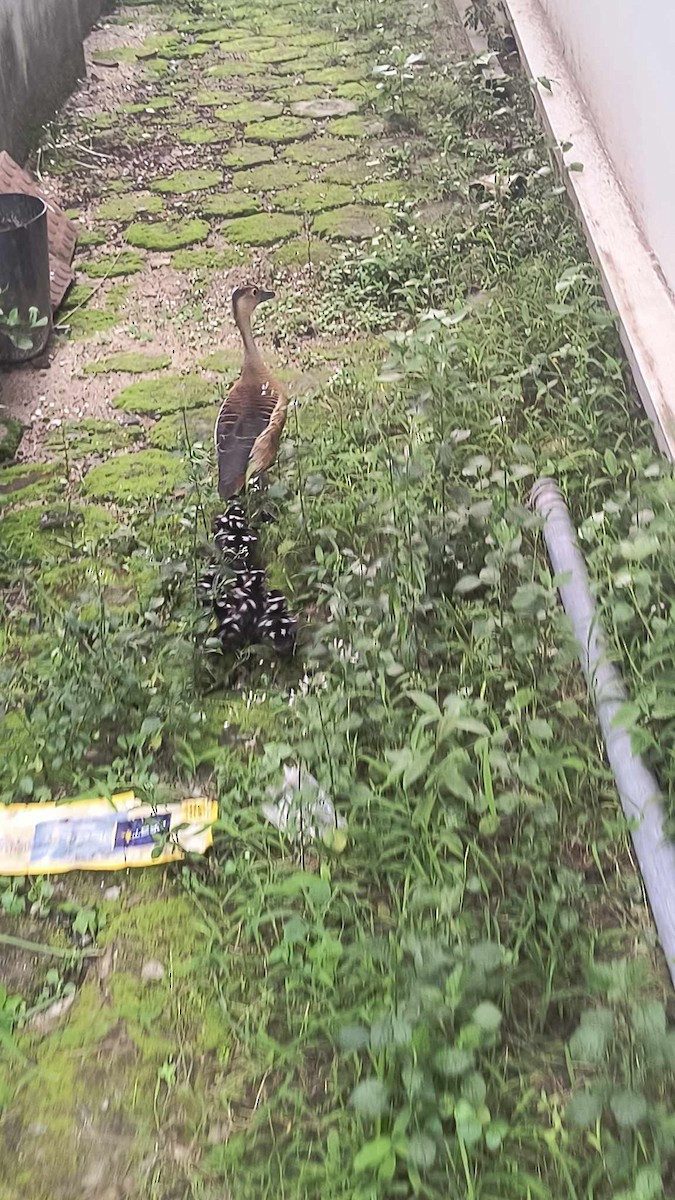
pixel 637 787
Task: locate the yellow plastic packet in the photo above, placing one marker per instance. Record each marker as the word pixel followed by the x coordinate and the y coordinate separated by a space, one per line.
pixel 102 835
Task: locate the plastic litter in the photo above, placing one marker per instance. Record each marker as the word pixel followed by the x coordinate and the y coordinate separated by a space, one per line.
pixel 304 810
pixel 102 834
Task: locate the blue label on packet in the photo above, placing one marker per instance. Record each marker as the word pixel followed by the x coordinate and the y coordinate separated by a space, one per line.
pixel 70 840
pixel 142 831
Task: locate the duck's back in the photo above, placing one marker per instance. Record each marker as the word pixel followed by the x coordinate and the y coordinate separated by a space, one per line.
pixel 244 416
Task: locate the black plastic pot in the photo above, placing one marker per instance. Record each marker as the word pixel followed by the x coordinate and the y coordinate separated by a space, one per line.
pixel 24 277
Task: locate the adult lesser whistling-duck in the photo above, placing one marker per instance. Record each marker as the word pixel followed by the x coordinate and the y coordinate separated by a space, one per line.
pixel 252 417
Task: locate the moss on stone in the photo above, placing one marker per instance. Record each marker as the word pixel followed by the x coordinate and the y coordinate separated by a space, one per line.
pixel 115 56
pixel 275 54
pixel 116 296
pixel 155 397
pixel 233 70
pixel 279 131
pixel 90 237
pixel 251 45
pixel 361 93
pixel 388 191
pixel 207 260
pixel 211 99
pixel 281 28
pixel 290 93
pixel 179 183
pixel 167 235
pixel 319 151
pixel 157 71
pixel 81 293
pixel 130 478
pixel 202 135
pixel 169 433
pixel 271 178
pixel 248 111
pixel 313 197
pixel 232 205
pixel 322 37
pixel 11 432
pixel 112 266
pixel 333 76
pixel 322 107
pixel 88 321
pixel 356 222
pixel 153 105
pixel 297 253
pixel 103 121
pixel 298 64
pixel 222 361
pixel 132 362
pixel 223 34
pixel 219 34
pixel 27 482
pixel 156 925
pixel 352 172
pixel 263 229
pixel 247 155
pixel 22 540
pixel 80 439
pixel 125 208
pixel 354 127
pixel 187 50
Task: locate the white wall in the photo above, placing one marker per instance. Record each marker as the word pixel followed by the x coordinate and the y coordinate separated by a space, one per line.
pixel 622 53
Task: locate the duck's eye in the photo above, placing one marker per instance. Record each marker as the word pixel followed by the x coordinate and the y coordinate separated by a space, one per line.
pixel 255 291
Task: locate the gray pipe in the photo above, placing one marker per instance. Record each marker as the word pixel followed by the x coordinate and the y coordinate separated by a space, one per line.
pixel 638 789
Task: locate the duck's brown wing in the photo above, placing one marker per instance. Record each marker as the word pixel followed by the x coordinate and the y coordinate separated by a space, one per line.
pixel 244 416
pixel 266 445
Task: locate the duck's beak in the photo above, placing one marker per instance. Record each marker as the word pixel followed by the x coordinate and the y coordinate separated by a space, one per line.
pixel 263 296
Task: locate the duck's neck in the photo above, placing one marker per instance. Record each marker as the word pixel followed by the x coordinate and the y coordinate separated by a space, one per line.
pixel 252 355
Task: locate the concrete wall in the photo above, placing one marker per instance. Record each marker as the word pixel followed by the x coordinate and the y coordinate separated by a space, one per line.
pixel 622 53
pixel 41 60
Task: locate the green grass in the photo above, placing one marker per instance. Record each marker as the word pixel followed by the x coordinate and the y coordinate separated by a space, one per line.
pixel 459 996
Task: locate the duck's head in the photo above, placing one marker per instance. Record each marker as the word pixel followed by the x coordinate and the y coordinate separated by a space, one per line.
pixel 246 299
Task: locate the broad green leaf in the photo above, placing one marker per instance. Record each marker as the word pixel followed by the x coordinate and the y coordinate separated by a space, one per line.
pixel 353 1037
pixel 640 547
pixel 487 1016
pixel 474 1089
pixel 648 1184
pixel 295 930
pixel 417 767
pixel 487 956
pixel 391 1031
pixel 370 1098
pixel 495 1134
pixel 540 729
pixel 372 1154
pixel 649 1020
pixel 453 1061
pixel 449 775
pixel 425 703
pixel 530 599
pixel 589 1042
pixel 467 584
pixel 467 1124
pixel 583 1109
pixel 421 1151
pixel 629 1108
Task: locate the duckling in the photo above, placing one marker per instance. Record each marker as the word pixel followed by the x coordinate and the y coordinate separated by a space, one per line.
pixel 252 417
